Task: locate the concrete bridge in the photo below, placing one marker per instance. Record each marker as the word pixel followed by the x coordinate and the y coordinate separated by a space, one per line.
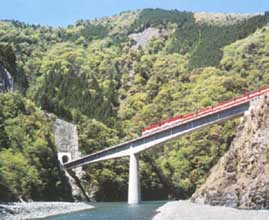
pixel 163 132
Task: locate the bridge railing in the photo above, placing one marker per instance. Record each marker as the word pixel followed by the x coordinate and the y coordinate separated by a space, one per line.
pixel 205 111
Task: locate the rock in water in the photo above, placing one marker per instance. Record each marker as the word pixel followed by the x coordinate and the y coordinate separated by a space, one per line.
pixel 241 177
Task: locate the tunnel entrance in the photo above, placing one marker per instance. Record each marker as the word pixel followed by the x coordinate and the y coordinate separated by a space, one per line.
pixel 64 159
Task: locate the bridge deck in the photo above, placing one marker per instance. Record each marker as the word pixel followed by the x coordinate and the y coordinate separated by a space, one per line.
pixel 205 111
pixel 159 133
pixel 144 142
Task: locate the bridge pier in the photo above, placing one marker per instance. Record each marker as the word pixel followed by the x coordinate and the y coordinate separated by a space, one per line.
pixel 134 193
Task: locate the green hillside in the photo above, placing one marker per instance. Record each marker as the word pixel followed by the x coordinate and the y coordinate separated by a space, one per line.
pixel 28 164
pixel 91 74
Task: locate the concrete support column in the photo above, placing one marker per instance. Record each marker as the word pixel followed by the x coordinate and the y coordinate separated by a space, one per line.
pixel 134 193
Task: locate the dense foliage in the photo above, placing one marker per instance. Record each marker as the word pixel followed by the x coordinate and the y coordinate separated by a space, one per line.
pixel 90 74
pixel 28 164
pixel 202 41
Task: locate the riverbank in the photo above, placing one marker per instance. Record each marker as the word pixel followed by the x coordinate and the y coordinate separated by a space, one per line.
pixel 35 210
pixel 185 210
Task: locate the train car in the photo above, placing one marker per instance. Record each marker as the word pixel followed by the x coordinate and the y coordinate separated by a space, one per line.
pixel 205 111
pixel 162 125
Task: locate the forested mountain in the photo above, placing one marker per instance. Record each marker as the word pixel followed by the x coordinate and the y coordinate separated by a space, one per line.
pixel 94 74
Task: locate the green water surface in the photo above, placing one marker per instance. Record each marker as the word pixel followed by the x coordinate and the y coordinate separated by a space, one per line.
pixel 114 211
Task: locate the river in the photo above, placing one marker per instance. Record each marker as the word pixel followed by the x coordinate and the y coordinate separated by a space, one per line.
pixel 114 211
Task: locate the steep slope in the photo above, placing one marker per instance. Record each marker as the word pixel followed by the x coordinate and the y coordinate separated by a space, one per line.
pixel 90 74
pixel 241 177
pixel 6 80
pixel 29 169
pixel 9 72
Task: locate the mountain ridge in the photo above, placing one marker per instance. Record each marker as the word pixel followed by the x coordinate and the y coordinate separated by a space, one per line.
pixel 89 74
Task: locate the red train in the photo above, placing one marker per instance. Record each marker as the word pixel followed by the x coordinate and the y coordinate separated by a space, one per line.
pixel 203 112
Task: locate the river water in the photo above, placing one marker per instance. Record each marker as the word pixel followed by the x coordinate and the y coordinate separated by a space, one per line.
pixel 114 211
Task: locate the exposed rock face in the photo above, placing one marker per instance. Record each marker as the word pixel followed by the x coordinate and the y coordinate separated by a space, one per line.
pixel 241 177
pixel 142 38
pixel 6 80
pixel 66 140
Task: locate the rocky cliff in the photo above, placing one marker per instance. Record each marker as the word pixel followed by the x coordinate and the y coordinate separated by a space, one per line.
pixel 241 177
pixel 66 140
pixel 6 80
